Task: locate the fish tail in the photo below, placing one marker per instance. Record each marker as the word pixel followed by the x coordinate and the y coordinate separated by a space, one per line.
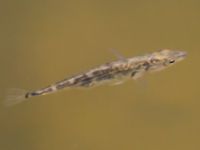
pixel 15 96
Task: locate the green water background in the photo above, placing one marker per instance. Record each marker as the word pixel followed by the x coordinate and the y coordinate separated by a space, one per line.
pixel 45 41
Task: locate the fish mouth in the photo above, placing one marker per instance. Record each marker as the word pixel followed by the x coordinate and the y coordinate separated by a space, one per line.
pixel 181 54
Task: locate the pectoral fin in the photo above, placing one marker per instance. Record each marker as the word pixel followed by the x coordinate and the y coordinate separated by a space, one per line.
pixel 137 75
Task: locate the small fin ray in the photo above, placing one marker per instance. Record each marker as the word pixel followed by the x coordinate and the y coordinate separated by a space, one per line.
pixel 14 96
pixel 117 54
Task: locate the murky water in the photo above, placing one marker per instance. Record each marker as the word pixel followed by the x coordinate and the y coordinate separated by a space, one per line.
pixel 45 41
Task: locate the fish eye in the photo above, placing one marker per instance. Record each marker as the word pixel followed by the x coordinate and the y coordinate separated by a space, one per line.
pixel 171 61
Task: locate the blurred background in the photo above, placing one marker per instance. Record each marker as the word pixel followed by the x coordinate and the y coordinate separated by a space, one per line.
pixel 42 42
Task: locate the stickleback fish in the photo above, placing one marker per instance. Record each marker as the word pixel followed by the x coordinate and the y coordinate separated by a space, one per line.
pixel 115 71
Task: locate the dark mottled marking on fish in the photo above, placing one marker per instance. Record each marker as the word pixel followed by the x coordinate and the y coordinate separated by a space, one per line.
pixel 105 74
pixel 85 80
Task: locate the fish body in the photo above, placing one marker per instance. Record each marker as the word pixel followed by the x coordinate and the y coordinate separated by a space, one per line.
pixel 116 71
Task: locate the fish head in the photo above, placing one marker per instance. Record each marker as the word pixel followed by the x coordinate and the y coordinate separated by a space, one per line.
pixel 165 58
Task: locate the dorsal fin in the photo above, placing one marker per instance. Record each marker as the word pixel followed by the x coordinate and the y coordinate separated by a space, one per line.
pixel 117 54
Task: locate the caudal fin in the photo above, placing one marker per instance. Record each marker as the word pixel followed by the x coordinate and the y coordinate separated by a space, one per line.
pixel 14 96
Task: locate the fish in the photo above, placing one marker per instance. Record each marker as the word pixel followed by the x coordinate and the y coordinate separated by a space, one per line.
pixel 115 72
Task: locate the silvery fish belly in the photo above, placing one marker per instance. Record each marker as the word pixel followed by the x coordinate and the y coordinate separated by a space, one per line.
pixel 116 71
